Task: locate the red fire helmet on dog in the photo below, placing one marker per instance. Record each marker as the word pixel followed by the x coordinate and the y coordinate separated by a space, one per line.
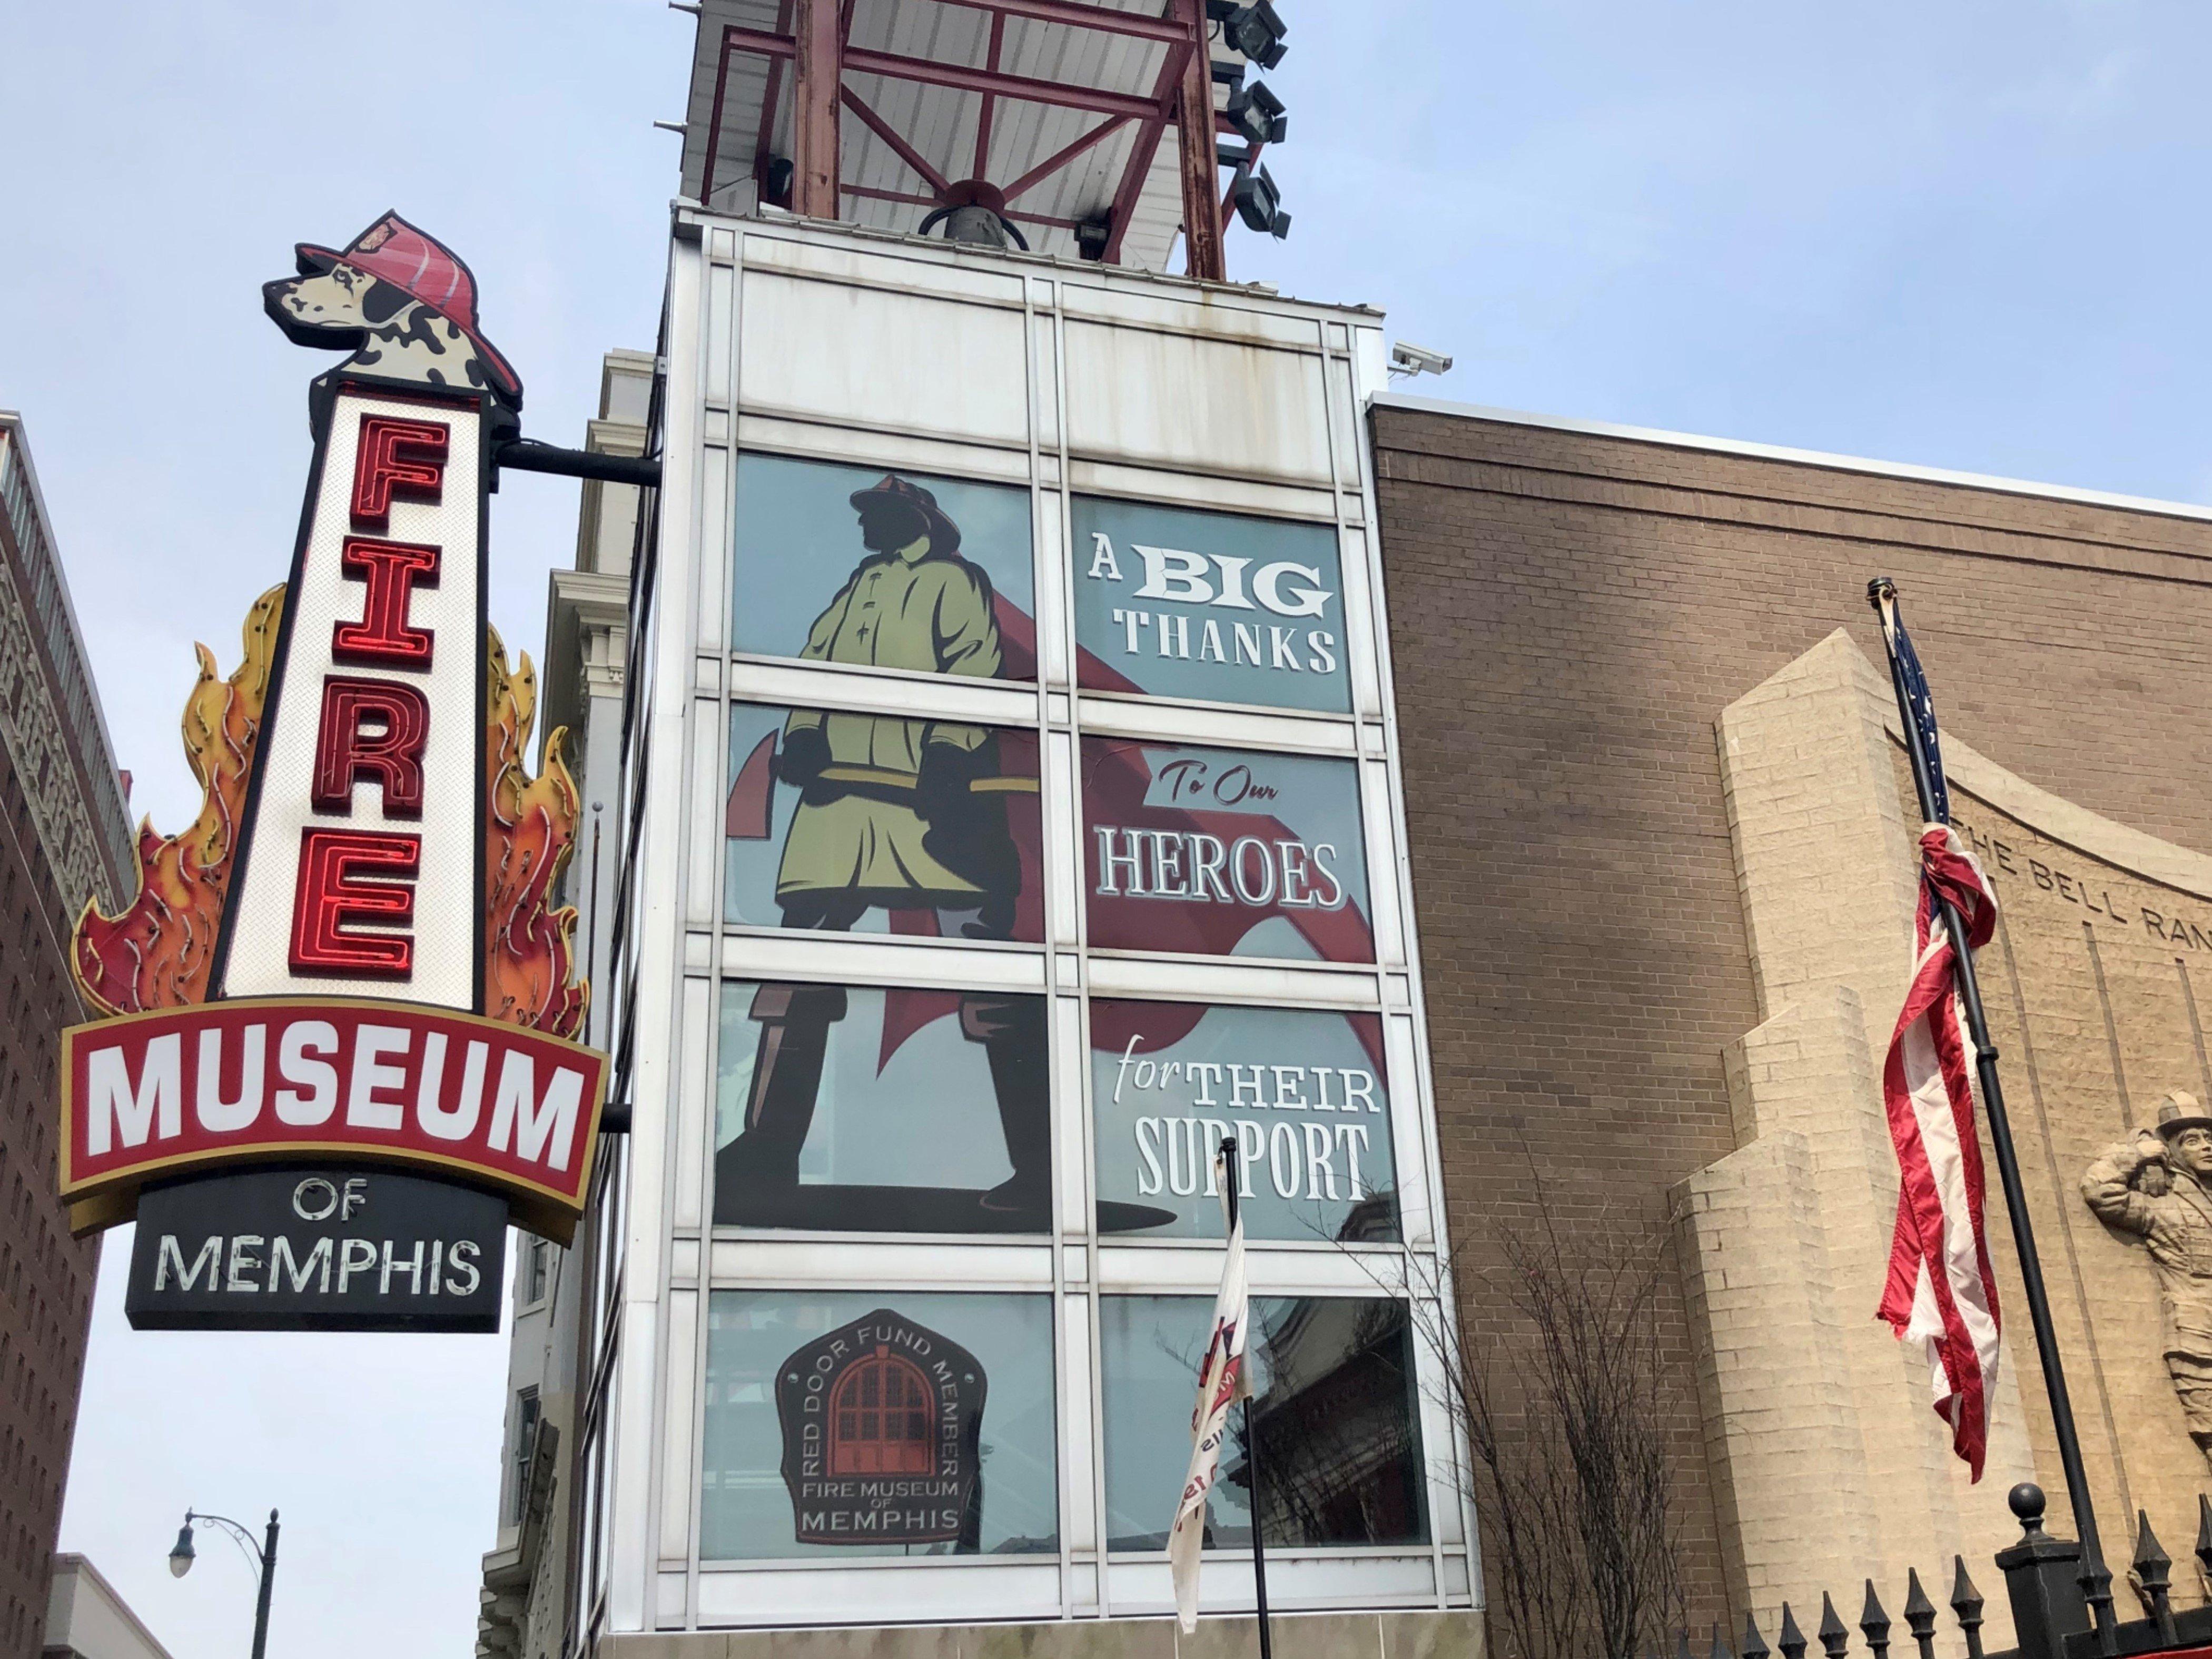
pixel 424 269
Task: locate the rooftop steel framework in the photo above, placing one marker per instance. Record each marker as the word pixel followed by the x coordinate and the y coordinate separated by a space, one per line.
pixel 1090 125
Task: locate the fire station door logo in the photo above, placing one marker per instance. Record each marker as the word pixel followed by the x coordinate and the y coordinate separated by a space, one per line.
pixel 882 1422
pixel 353 953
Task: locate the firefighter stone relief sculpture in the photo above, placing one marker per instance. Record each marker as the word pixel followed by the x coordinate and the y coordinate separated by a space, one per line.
pixel 2157 1189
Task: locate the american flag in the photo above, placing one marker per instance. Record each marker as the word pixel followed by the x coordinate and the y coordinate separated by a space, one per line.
pixel 1941 1294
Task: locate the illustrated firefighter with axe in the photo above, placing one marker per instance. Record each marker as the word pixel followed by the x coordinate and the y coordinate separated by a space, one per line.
pixel 903 815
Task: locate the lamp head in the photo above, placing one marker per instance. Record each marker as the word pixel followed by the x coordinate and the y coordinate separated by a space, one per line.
pixel 180 1557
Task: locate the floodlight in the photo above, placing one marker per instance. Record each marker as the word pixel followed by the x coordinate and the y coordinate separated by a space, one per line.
pixel 1258 203
pixel 1255 30
pixel 1257 114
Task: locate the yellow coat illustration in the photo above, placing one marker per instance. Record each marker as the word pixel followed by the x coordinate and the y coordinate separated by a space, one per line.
pixel 901 610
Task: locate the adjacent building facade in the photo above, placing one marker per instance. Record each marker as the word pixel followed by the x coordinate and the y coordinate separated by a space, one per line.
pixel 64 837
pixel 1662 829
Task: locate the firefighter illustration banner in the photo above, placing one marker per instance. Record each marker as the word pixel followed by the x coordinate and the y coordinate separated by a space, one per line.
pixel 865 1109
pixel 1212 607
pixel 1224 852
pixel 846 822
pixel 883 570
pixel 844 1423
pixel 1301 1092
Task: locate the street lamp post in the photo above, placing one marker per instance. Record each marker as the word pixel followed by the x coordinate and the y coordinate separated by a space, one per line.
pixel 262 1555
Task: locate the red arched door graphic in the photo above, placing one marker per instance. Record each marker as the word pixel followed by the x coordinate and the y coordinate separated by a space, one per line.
pixel 883 1418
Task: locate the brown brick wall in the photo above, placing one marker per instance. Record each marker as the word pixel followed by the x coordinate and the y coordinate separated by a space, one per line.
pixel 1569 613
pixel 46 1276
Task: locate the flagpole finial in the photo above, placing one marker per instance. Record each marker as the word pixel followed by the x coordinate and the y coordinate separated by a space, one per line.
pixel 1881 588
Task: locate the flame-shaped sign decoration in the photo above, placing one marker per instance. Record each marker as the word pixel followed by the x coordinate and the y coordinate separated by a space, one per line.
pixel 529 947
pixel 156 952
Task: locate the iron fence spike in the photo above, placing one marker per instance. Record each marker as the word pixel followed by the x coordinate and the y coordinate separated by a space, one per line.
pixel 1792 1639
pixel 1720 1647
pixel 1833 1637
pixel 1966 1603
pixel 2204 1531
pixel 1919 1614
pixel 2153 1570
pixel 1754 1644
pixel 1875 1623
pixel 2150 1554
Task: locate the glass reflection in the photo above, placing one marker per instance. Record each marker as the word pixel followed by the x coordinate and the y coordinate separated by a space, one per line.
pixel 1333 1408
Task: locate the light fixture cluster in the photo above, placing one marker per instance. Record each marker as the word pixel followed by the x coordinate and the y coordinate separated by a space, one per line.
pixel 1256 31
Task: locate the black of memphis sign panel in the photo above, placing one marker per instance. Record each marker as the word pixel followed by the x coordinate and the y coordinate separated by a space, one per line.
pixel 883 1423
pixel 317 1249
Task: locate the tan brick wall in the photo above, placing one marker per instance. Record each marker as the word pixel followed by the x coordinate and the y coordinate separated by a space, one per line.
pixel 1571 614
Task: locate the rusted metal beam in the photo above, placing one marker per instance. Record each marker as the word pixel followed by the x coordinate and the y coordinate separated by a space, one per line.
pixel 1053 163
pixel 869 192
pixel 983 120
pixel 1202 173
pixel 816 77
pixel 885 131
pixel 1146 146
pixel 1083 17
pixel 715 126
pixel 960 77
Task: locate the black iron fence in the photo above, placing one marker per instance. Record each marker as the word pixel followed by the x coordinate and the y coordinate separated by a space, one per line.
pixel 2062 1606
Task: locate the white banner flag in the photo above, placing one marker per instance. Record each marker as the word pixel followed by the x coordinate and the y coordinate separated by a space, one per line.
pixel 1221 1383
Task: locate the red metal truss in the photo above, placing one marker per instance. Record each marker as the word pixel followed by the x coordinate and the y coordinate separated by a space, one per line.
pixel 1059 159
pixel 961 77
pixel 869 192
pixel 1162 29
pixel 885 131
pixel 816 34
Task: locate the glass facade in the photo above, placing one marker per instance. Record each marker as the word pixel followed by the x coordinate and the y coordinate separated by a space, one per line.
pixel 1023 822
pixel 1333 1409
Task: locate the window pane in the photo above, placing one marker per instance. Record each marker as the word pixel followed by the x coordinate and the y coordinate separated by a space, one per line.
pixel 870 823
pixel 801 1459
pixel 1211 605
pixel 883 570
pixel 857 1108
pixel 1300 1090
pixel 1224 852
pixel 1334 1406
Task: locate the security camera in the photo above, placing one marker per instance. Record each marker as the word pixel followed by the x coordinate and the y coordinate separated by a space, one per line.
pixel 1406 358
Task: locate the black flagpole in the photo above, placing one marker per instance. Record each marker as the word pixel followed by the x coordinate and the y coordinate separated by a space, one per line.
pixel 2096 1579
pixel 1251 1440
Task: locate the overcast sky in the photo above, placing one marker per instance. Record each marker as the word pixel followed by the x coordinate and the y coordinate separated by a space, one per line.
pixel 1958 235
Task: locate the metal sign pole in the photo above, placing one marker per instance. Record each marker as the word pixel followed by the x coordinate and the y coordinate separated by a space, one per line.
pixel 1251 1439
